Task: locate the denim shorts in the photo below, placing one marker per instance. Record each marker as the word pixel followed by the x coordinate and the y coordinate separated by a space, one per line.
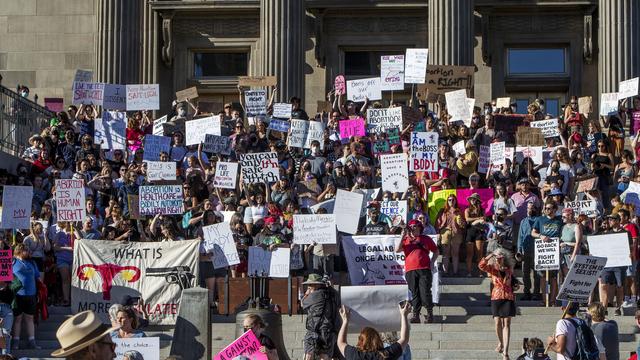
pixel 614 276
pixel 61 262
pixel 631 270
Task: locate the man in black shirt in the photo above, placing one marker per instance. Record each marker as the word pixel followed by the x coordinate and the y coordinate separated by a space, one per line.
pixel 376 225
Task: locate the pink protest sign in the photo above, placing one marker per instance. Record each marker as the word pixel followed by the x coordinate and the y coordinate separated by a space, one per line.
pixel 486 197
pixel 349 128
pixel 340 85
pixel 54 104
pixel 6 268
pixel 247 345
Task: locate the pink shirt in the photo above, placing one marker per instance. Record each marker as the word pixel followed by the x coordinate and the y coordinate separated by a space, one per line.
pixel 521 201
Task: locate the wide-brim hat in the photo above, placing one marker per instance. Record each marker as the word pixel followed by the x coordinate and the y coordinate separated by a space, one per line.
pixel 314 279
pixel 80 331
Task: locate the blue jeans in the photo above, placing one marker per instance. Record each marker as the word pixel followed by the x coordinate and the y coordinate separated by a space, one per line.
pixel 7 316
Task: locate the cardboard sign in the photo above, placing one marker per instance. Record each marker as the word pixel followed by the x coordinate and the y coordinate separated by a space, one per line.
pixel 547 254
pixel 581 279
pixel 54 104
pixel 259 167
pixel 158 127
pixel 458 106
pixel 628 88
pixel 587 184
pixel 314 229
pixel 282 110
pixel 114 97
pixel 372 260
pixel 347 209
pixel 459 148
pixel 608 104
pixel 257 81
pixel 187 94
pixel 614 247
pixel 218 240
pixel 444 78
pixel 279 125
pixel 161 199
pixel 381 120
pixel 395 174
pixel 497 153
pixel 87 93
pixel 197 129
pixel 549 127
pixel 586 207
pixel 303 132
pixel 154 145
pixel 110 130
pixel 147 347
pixel 265 263
pixel 415 71
pixel 359 90
pixel 246 345
pixel 585 105
pixel 323 106
pixel 392 72
pixel 133 203
pixel 143 97
pixel 349 128
pixel 423 151
pixel 340 85
pixel 226 175
pixel 528 136
pixel 255 102
pixel 374 306
pixel 6 265
pixel 503 102
pixel 83 76
pixel 16 207
pixel 161 170
pixel 70 200
pixel 395 210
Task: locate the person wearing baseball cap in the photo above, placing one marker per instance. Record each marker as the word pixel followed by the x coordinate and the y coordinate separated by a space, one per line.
pixel 84 337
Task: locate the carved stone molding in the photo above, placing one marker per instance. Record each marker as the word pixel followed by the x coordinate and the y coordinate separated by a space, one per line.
pixel 386 24
pixel 217 27
pixel 534 24
pixel 167 38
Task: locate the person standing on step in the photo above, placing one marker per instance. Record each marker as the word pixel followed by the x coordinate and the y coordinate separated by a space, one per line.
pixel 26 275
pixel 419 250
pixel 499 264
pixel 526 249
pixel 320 301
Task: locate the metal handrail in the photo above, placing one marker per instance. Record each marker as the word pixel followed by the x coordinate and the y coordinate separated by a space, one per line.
pixel 20 118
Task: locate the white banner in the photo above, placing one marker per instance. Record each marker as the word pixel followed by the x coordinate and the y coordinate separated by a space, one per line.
pixel 614 247
pixel 380 121
pixel 161 170
pixel 310 229
pixel 608 104
pixel 303 132
pixel 628 88
pixel 415 70
pixel 16 207
pixel 87 93
pixel 226 175
pixel 372 259
pixel 374 306
pixel 259 167
pixel 161 199
pixel 358 90
pixel 115 97
pixel 497 153
pixel 70 200
pixel 154 145
pixel 586 207
pixel 218 239
pixel 255 102
pixel 347 210
pixel 105 271
pixel 581 278
pixel 395 174
pixel 110 130
pixel 197 129
pixel 147 347
pixel 273 264
pixel 423 151
pixel 143 97
pixel 282 110
pixel 549 127
pixel 392 72
pixel 395 210
pixel 547 254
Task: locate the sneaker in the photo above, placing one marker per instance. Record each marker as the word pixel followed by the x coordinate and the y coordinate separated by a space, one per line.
pixel 627 303
pixel 618 312
pixel 33 345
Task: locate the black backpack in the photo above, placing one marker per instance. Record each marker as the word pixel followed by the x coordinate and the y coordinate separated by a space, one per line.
pixel 586 348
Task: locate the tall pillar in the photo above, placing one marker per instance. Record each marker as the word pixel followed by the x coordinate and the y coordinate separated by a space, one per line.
pixel 450 32
pixel 119 54
pixel 618 42
pixel 281 45
pixel 150 45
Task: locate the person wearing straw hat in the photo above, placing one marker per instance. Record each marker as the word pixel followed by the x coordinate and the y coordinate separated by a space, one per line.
pixel 85 337
pixel 321 304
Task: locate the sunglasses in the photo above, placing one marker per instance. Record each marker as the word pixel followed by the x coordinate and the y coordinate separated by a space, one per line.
pixel 548 208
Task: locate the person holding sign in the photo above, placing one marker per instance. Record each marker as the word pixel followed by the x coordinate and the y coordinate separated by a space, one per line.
pixel 255 323
pixel 546 227
pixel 26 272
pixel 450 221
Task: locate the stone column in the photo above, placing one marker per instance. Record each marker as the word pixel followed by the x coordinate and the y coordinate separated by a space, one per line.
pixel 618 42
pixel 281 45
pixel 119 54
pixel 450 30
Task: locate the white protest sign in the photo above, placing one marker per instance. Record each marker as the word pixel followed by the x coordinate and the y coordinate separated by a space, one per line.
pixel 395 173
pixel 217 144
pixel 16 207
pixel 303 132
pixel 115 97
pixel 158 128
pixel 375 306
pixel 608 104
pixel 373 260
pixel 255 102
pixel 318 228
pixel 197 129
pixel 70 200
pixel 87 93
pixel 547 254
pixel 415 70
pixel 586 207
pixel 154 145
pixel 161 170
pixel 347 210
pixel 458 106
pixel 497 153
pixel 161 199
pixel 273 264
pixel 581 279
pixel 147 347
pixel 259 167
pixel 143 97
pixel 110 130
pixel 503 102
pixel 392 72
pixel 282 110
pixel 381 120
pixel 218 239
pixel 549 127
pixel 358 90
pixel 423 151
pixel 226 174
pixel 535 153
pixel 614 247
pixel 83 76
pixel 459 148
pixel 628 88
pixel 395 210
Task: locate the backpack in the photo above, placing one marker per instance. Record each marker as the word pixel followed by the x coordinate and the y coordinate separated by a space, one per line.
pixel 586 348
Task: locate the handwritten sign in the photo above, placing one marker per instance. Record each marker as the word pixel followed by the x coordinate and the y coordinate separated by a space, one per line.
pixel 586 207
pixel 614 247
pixel 424 151
pixel 218 239
pixel 259 167
pixel 496 151
pixel 529 136
pixel 457 105
pixel 197 129
pixel 549 127
pixel 608 104
pixel 392 72
pixel 187 94
pixel 158 125
pixel 279 125
pixel 587 184
pixel 503 102
pixel 628 88
pixel 255 102
pixel 359 90
pixel 70 200
pixel 54 104
pixel 83 76
pixel 582 278
pixel 459 148
pixel 6 265
pixel 246 346
pixel 154 145
pixel 161 199
pixel 416 66
pixel 585 105
pixel 349 128
pixel 161 170
pixel 340 85
pixel 318 229
pixel 303 132
pixel 16 207
pixel 256 81
pixel 87 93
pixel 547 254
pixel 444 78
pixel 226 174
pixel 381 120
pixel 395 174
pixel 143 97
pixel 110 130
pixel 347 210
pixel 535 153
pixel 395 210
pixel 215 144
pixel 114 97
pixel 128 348
pixel 282 110
pixel 273 264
